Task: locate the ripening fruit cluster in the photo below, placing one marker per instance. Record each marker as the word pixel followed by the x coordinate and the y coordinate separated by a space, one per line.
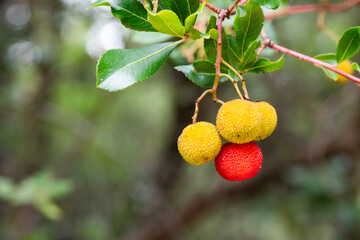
pixel 240 122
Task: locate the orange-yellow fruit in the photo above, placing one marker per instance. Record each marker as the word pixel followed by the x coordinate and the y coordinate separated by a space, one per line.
pixel 346 67
pixel 238 121
pixel 237 162
pixel 268 120
pixel 199 143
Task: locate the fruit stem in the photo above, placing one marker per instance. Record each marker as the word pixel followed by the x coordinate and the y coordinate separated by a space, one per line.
pixel 197 102
pixel 234 84
pixel 246 94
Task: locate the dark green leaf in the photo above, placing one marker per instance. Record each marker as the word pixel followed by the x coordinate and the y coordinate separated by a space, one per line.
pixel 265 65
pixel 355 66
pixel 167 22
pixel 348 45
pixel 273 4
pixel 210 47
pixel 211 24
pixel 120 68
pixel 248 28
pixel 182 8
pixel 250 55
pixel 202 73
pixel 233 52
pixel 132 14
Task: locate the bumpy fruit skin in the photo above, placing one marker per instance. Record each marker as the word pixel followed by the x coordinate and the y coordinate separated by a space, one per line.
pixel 238 121
pixel 199 143
pixel 237 162
pixel 346 67
pixel 268 119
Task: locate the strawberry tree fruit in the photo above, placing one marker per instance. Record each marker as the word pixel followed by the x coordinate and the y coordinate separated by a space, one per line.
pixel 199 143
pixel 237 162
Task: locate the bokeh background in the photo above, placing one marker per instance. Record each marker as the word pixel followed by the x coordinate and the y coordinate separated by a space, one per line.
pixel 79 163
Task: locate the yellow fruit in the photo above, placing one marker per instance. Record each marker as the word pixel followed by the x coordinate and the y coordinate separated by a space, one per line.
pixel 238 121
pixel 346 67
pixel 268 119
pixel 199 143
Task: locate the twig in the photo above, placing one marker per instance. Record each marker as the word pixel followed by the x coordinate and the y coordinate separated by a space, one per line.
pixel 246 94
pixel 314 61
pixel 219 25
pixel 211 7
pixel 234 84
pixel 197 102
pixel 290 10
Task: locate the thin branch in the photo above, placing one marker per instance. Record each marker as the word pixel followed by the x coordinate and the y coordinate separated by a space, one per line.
pixel 219 25
pixel 211 7
pixel 314 61
pixel 307 8
pixel 234 84
pixel 239 76
pixel 197 102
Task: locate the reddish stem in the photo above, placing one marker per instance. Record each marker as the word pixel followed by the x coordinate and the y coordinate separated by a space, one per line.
pixel 312 8
pixel 314 61
pixel 211 7
pixel 219 25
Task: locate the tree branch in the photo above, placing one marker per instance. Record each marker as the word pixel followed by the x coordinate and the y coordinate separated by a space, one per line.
pixel 314 61
pixel 290 10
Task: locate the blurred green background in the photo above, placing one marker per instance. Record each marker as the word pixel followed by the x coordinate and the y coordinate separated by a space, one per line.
pixel 79 163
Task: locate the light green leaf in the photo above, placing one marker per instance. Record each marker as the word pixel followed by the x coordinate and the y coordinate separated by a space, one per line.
pixel 331 59
pixel 167 22
pixel 332 75
pixel 273 4
pixel 99 3
pixel 355 66
pixel 190 20
pixel 182 8
pixel 248 28
pixel 265 65
pixel 327 57
pixel 120 68
pixel 348 45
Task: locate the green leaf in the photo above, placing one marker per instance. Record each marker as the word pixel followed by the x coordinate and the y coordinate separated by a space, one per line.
pixel 202 73
pixel 233 51
pixel 273 4
pixel 182 8
pixel 327 57
pixel 211 24
pixel 348 45
pixel 355 66
pixel 120 68
pixel 167 22
pixel 99 3
pixel 331 59
pixel 248 28
pixel 332 75
pixel 210 48
pixel 250 55
pixel 265 65
pixel 132 14
pixel 190 20
pixel 194 34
